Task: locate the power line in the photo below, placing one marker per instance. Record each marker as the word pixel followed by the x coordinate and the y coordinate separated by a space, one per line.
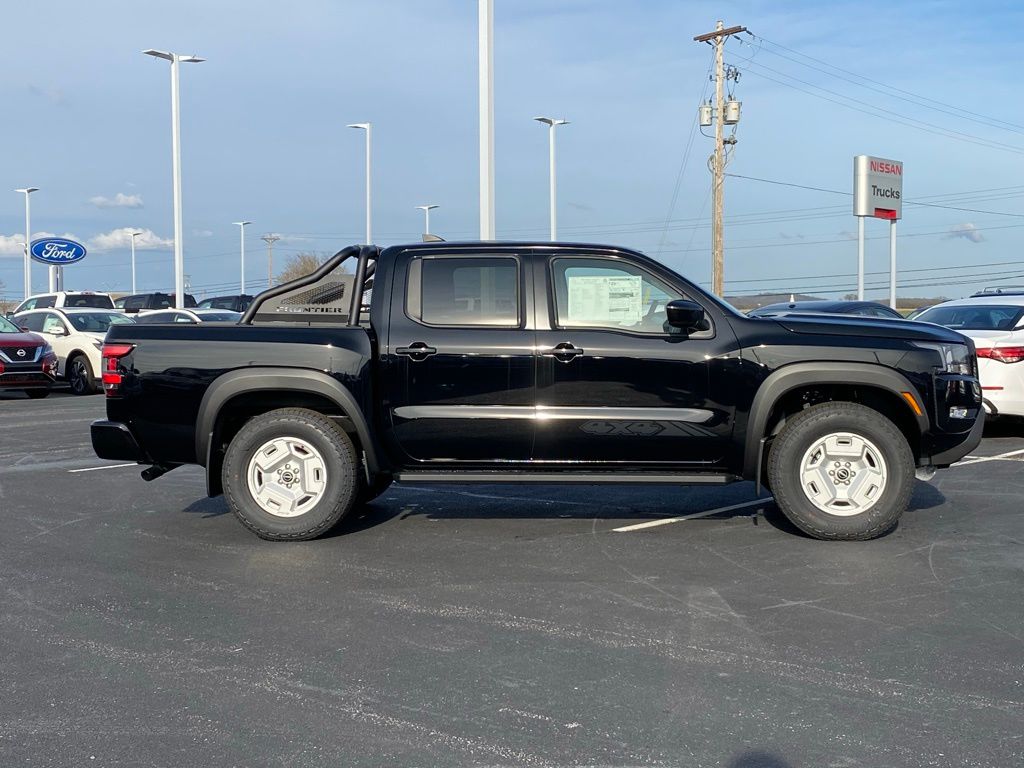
pixel 941 106
pixel 888 114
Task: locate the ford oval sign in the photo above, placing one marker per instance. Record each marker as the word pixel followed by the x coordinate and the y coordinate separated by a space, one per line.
pixel 57 251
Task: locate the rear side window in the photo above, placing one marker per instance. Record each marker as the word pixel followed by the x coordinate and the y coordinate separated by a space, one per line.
pixel 464 291
pixel 134 303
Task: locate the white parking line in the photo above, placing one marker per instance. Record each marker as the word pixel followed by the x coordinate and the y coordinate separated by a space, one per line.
pixel 1006 455
pixel 109 466
pixel 694 516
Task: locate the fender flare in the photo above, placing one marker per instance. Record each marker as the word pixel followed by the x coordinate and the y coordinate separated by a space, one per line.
pixel 790 377
pixel 245 380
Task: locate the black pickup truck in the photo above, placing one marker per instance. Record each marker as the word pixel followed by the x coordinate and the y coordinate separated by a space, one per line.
pixel 535 363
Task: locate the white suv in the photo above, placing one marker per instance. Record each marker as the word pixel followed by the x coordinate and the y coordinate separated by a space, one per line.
pixel 62 299
pixel 995 322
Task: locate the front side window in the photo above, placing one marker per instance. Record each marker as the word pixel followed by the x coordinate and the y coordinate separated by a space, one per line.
pixel 464 291
pixel 33 322
pixel 53 324
pixel 606 293
pixel 45 301
pixel 97 322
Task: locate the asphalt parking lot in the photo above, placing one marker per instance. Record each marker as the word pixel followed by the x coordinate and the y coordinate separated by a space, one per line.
pixel 142 625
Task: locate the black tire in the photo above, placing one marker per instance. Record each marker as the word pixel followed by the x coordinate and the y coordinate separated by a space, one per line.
pixel 37 394
pixel 800 435
pixel 340 474
pixel 369 492
pixel 78 372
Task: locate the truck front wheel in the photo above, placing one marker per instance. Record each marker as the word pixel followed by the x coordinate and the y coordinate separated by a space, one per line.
pixel 841 471
pixel 290 474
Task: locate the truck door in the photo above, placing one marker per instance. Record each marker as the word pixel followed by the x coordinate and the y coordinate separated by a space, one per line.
pixel 458 364
pixel 616 385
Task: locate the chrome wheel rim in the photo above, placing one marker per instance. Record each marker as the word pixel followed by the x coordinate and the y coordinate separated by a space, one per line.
pixel 286 476
pixel 79 377
pixel 843 474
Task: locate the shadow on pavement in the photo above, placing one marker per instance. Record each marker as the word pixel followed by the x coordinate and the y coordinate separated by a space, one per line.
pixel 758 759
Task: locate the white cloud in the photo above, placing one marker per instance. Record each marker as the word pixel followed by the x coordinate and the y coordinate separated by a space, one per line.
pixel 202 233
pixel 122 238
pixel 120 200
pixel 967 231
pixel 11 245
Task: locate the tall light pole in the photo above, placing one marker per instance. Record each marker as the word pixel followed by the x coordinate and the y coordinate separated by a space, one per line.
pixel 134 235
pixel 270 240
pixel 179 258
pixel 486 77
pixel 426 216
pixel 28 238
pixel 552 123
pixel 241 245
pixel 368 127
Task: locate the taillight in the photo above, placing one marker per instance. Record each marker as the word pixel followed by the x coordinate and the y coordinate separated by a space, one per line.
pixel 1002 354
pixel 112 354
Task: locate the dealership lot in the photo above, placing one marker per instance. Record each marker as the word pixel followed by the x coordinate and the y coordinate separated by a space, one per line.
pixel 141 624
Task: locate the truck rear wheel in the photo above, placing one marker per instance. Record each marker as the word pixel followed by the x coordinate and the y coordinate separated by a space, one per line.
pixel 290 474
pixel 841 471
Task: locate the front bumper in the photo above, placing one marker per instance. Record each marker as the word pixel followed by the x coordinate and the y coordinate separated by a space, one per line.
pixel 958 451
pixel 113 440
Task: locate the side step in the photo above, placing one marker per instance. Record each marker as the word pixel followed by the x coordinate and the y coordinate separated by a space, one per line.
pixel 562 478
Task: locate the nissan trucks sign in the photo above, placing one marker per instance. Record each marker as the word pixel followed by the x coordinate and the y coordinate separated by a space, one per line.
pixel 877 187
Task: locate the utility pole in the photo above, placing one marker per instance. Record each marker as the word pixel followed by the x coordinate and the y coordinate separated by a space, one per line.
pixel 717 39
pixel 486 84
pixel 270 240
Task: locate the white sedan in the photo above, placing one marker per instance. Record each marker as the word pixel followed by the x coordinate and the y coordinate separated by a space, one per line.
pixel 996 325
pixel 76 336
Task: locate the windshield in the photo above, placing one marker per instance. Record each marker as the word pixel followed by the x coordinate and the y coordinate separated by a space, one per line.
pixel 96 322
pixel 219 317
pixel 6 326
pixel 93 300
pixel 974 317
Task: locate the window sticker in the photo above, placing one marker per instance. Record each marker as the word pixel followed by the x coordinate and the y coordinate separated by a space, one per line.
pixel 601 300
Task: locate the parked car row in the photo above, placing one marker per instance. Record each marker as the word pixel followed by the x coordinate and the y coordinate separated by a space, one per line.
pixel 58 338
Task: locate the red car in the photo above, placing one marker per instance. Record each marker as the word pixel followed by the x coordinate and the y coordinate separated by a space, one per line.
pixel 27 362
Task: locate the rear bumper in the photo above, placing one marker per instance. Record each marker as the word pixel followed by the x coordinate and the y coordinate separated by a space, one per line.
pixel 957 452
pixel 113 440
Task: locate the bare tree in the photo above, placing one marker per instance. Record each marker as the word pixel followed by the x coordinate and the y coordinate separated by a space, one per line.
pixel 300 265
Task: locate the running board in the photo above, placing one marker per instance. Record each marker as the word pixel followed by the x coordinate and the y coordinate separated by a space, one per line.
pixel 562 478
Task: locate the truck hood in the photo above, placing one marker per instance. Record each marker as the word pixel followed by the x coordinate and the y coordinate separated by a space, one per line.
pixel 846 325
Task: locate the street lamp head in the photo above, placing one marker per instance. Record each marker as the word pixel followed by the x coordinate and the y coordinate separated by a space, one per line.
pixel 27 190
pixel 241 223
pixel 426 207
pixel 552 121
pixel 168 56
pixel 135 234
pixel 364 126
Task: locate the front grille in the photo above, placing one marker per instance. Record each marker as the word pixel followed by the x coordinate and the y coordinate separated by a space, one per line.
pixel 20 354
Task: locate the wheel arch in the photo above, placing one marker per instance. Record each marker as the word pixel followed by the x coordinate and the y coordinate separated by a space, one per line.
pixel 254 387
pixel 886 385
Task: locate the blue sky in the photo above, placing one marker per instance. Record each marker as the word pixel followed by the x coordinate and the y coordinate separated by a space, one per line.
pixel 264 137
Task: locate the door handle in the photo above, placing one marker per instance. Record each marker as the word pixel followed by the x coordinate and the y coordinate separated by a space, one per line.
pixel 416 351
pixel 564 352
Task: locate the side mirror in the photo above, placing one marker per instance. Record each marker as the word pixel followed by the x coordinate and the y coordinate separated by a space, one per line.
pixel 686 315
pixel 25 329
pixel 58 331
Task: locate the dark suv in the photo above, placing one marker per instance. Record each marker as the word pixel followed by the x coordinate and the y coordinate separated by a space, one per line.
pixel 143 301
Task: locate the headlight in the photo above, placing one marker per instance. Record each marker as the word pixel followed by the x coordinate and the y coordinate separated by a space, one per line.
pixel 47 351
pixel 956 358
